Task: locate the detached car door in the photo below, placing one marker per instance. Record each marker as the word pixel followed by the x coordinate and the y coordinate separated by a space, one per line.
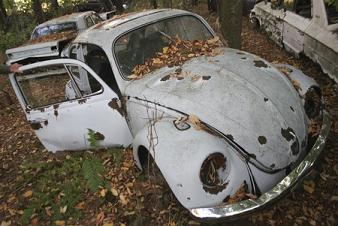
pixel 62 113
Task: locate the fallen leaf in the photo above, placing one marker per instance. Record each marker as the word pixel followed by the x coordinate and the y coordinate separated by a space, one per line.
pixel 334 198
pixel 123 199
pixel 80 206
pixel 35 221
pixel 114 192
pixel 309 186
pixel 99 218
pixel 63 209
pixel 103 192
pixel 6 223
pixel 59 223
pixel 28 194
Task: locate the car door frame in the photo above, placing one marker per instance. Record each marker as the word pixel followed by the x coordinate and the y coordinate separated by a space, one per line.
pixel 49 124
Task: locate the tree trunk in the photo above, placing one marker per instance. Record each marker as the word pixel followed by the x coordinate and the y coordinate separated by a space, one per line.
pixel 230 17
pixel 3 16
pixel 154 3
pixel 38 11
pixel 119 5
pixel 167 3
pixel 55 5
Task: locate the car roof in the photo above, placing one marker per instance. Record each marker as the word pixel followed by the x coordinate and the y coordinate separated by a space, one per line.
pixel 66 18
pixel 122 23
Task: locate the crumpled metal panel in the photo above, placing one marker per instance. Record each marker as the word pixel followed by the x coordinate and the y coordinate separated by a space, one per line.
pixel 228 212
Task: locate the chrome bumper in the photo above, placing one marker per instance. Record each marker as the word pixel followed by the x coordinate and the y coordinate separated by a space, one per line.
pixel 243 208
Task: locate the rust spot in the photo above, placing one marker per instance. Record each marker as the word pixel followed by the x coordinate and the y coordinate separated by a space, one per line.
pixel 56 106
pixel 178 71
pixel 188 198
pixel 82 101
pixel 99 136
pixel 116 104
pixel 240 53
pixel 213 182
pixel 165 78
pixel 56 113
pixel 259 63
pixel 35 125
pixel 180 78
pixel 45 122
pixel 288 134
pixel 244 58
pixel 262 140
pixel 207 77
pixel 266 99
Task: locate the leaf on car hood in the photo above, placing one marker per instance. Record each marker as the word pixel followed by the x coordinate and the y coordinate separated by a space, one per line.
pixel 177 53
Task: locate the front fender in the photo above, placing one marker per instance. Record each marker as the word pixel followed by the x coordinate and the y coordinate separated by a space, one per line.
pixel 180 154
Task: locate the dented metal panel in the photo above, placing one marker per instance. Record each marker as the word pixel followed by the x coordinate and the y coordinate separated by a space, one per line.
pixel 312 36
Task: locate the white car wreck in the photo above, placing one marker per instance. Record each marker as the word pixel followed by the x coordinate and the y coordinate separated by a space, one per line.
pixel 51 37
pixel 214 119
pixel 306 27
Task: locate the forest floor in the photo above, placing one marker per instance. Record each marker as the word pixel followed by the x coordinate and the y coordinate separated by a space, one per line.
pixel 42 188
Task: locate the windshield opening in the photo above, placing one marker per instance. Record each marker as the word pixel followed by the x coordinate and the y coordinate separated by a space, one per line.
pixel 138 46
pixel 54 28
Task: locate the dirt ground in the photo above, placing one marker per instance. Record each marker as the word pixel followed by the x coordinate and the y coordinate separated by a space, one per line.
pixel 132 199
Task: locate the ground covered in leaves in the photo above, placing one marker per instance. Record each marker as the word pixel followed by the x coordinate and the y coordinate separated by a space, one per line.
pixel 104 187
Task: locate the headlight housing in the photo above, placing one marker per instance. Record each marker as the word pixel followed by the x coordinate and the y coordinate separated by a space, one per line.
pixel 214 173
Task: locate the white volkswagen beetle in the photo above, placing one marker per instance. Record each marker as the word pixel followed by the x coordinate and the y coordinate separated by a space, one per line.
pixel 212 118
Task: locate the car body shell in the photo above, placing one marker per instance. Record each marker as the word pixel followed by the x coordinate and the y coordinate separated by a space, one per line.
pixel 254 117
pixel 309 33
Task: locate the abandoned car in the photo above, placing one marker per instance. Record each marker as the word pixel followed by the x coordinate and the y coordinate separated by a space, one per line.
pixel 51 37
pixel 306 27
pixel 215 120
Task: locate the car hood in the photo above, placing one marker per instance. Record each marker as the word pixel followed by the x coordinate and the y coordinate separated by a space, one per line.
pixel 239 94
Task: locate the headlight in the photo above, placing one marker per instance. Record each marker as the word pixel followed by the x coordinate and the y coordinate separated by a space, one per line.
pixel 313 102
pixel 214 172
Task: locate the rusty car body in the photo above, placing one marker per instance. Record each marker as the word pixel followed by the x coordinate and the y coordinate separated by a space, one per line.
pixel 51 37
pixel 306 27
pixel 212 122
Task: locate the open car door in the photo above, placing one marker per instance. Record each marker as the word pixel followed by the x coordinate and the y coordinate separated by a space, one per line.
pixel 62 111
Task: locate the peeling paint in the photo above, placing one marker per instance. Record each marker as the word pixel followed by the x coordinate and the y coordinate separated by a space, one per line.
pixel 82 101
pixel 262 140
pixel 99 136
pixel 259 63
pixel 116 104
pixel 288 133
pixel 207 77
pixel 165 78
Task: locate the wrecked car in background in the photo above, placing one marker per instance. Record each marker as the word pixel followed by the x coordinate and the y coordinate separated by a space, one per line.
pixel 306 27
pixel 50 38
pixel 228 130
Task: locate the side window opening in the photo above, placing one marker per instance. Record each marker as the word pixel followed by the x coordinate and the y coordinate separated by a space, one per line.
pixel 89 21
pixel 97 60
pixel 48 85
pixel 303 8
pixel 332 12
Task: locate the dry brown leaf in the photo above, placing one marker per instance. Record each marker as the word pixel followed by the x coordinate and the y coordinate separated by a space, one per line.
pixel 114 192
pixel 60 223
pixel 195 122
pixel 28 194
pixel 63 209
pixel 99 218
pixel 80 206
pixel 35 221
pixel 6 223
pixel 309 186
pixel 123 199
